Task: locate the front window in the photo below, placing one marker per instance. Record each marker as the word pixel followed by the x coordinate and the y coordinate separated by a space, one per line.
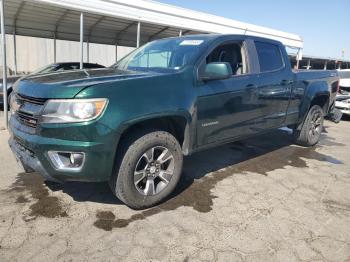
pixel 165 54
pixel 232 53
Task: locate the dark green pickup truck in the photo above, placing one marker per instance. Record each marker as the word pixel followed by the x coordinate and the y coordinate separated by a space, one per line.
pixel 131 124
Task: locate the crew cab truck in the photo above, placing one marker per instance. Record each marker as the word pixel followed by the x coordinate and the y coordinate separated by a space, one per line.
pixel 131 124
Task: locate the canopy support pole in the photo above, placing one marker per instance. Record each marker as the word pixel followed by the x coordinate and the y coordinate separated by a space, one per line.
pixel 81 40
pixel 54 47
pixel 87 51
pixel 14 52
pixel 325 65
pixel 298 58
pixel 180 33
pixel 4 63
pixel 138 34
pixel 116 52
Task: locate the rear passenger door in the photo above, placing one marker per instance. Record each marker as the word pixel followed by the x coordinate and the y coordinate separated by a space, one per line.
pixel 274 84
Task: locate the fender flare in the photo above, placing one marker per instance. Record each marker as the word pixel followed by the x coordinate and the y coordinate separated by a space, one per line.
pixel 188 130
pixel 314 90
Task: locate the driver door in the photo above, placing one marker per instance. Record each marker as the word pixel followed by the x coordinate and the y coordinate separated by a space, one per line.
pixel 228 108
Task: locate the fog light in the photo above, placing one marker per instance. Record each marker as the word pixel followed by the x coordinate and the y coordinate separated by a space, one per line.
pixel 69 161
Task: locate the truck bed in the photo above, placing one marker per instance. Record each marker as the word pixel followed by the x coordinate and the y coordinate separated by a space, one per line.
pixel 315 74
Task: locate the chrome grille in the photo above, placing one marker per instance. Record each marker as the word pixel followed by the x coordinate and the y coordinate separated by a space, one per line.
pixel 26 119
pixel 28 109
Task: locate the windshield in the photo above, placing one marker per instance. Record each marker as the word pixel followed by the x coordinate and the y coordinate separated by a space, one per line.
pixel 45 69
pixel 344 74
pixel 163 54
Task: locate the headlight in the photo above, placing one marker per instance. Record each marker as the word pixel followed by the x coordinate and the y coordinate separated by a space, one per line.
pixel 72 110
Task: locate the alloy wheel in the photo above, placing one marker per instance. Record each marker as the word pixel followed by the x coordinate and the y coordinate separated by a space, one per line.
pixel 315 125
pixel 154 170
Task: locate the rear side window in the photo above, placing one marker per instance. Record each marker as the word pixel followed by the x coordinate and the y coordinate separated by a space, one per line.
pixel 269 55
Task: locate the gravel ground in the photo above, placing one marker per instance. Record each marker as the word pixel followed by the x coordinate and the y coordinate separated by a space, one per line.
pixel 261 199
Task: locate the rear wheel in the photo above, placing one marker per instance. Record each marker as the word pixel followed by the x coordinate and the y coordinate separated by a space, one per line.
pixel 310 132
pixel 150 167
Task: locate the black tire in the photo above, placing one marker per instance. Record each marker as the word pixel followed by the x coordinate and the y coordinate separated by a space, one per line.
pixel 335 115
pixel 311 130
pixel 9 100
pixel 132 151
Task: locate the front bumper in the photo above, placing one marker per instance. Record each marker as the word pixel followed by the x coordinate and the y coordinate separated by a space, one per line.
pixel 31 147
pixel 344 107
pixel 28 160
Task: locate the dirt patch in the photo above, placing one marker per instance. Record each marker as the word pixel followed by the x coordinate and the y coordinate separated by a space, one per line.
pixel 260 155
pixel 336 207
pixel 22 199
pixel 106 219
pixel 45 205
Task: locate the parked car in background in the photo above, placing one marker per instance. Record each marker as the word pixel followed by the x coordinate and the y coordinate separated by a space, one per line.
pixel 343 98
pixel 344 83
pixel 131 124
pixel 56 67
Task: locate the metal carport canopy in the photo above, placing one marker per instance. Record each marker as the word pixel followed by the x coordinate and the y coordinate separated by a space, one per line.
pixel 111 21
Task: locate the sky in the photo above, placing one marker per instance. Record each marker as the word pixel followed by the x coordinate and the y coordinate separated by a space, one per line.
pixel 324 25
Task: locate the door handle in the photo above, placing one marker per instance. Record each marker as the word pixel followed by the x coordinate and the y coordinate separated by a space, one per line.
pixel 286 82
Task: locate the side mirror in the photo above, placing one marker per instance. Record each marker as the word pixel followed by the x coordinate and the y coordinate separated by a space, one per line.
pixel 216 71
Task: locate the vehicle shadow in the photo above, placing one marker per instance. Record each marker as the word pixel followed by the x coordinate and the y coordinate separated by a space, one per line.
pixel 260 154
pixel 195 167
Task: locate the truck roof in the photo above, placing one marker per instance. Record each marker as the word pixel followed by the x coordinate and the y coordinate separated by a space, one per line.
pixel 211 37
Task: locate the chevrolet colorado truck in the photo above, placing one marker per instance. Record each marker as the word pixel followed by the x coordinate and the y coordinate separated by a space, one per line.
pixel 131 124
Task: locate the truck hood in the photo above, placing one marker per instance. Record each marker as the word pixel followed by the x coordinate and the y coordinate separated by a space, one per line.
pixel 69 84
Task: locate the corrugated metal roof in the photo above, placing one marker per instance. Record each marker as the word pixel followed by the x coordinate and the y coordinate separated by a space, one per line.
pixel 111 21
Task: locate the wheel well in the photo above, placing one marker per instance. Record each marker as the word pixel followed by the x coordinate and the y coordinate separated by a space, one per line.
pixel 9 91
pixel 175 125
pixel 322 101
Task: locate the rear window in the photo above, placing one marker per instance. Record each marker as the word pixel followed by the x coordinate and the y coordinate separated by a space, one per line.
pixel 269 55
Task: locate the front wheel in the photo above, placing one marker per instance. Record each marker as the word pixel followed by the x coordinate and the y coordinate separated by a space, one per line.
pixel 149 170
pixel 311 130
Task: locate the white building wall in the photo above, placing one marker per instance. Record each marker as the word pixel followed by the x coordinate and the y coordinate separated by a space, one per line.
pixel 33 53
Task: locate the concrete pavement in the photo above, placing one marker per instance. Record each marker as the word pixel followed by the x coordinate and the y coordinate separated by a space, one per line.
pixel 261 199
